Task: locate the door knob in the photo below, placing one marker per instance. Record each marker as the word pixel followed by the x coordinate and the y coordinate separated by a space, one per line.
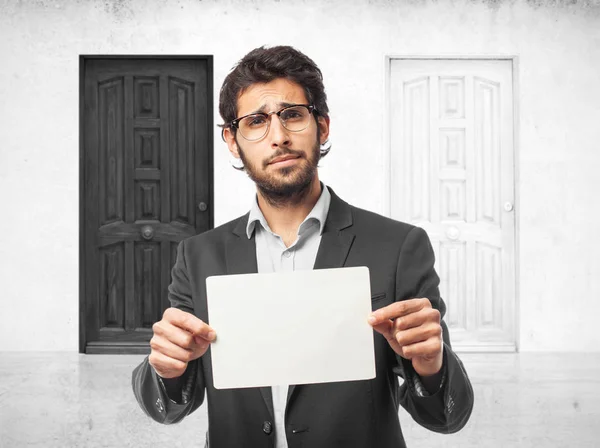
pixel 452 233
pixel 508 206
pixel 147 232
pixel 202 206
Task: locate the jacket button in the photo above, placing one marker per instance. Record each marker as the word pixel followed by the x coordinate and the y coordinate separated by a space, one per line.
pixel 267 428
pixel 159 405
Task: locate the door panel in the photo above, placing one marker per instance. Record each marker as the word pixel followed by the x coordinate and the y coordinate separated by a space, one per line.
pixel 147 137
pixel 452 174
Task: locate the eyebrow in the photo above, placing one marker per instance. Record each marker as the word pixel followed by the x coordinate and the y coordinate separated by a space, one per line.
pixel 263 108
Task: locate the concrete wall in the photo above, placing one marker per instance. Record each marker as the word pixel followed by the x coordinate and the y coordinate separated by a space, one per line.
pixel 558 130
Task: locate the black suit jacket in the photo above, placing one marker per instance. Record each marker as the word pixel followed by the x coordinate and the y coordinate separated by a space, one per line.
pixel 362 414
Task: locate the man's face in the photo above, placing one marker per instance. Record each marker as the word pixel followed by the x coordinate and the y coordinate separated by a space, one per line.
pixel 282 163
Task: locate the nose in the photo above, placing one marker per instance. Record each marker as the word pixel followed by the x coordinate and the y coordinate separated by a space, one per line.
pixel 278 134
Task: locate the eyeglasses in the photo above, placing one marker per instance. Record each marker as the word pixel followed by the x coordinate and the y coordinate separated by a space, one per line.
pixel 294 118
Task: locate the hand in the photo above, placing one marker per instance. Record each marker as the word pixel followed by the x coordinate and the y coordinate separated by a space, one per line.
pixel 179 337
pixel 412 328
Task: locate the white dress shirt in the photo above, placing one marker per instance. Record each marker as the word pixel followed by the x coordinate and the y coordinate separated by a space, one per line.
pixel 273 256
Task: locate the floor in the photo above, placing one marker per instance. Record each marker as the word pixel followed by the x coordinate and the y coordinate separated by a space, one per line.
pixel 71 400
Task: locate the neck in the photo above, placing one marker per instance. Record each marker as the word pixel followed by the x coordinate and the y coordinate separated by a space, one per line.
pixel 284 218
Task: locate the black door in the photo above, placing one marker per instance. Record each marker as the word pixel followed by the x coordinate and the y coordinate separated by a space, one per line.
pixel 146 183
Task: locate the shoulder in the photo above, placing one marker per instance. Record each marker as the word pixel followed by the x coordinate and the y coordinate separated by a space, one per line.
pixel 386 234
pixel 374 223
pixel 372 226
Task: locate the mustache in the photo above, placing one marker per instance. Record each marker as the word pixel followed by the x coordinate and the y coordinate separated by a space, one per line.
pixel 283 152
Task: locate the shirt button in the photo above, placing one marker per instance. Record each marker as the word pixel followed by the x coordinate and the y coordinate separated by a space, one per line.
pixel 287 254
pixel 267 428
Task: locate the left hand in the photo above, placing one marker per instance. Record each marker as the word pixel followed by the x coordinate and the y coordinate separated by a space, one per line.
pixel 412 328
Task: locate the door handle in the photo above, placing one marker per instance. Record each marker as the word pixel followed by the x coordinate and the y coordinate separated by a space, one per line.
pixel 147 233
pixel 202 206
pixel 452 233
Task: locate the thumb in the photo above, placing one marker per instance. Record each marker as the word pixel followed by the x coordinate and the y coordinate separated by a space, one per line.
pixel 200 346
pixel 384 328
pixel 199 341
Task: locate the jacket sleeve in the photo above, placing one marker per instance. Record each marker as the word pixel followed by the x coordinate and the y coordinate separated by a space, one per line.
pixel 447 410
pixel 148 388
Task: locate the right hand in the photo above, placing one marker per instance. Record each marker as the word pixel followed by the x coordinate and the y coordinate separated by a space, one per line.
pixel 179 337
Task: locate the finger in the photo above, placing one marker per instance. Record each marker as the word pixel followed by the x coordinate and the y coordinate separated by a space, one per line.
pixel 425 349
pixel 417 319
pixel 181 337
pixel 166 366
pixel 398 309
pixel 416 334
pixel 192 324
pixel 171 350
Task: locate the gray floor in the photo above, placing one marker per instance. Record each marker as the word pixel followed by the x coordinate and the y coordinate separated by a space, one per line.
pixel 72 400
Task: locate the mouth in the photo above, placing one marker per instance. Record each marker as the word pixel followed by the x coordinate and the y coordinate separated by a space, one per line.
pixel 288 159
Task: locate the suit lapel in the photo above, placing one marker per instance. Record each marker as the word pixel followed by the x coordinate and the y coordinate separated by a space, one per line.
pixel 335 243
pixel 333 250
pixel 241 259
pixel 241 251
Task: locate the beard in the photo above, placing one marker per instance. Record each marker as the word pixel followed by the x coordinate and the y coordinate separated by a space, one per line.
pixel 288 185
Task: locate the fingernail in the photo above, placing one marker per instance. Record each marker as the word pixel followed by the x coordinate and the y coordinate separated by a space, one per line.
pixel 211 335
pixel 372 319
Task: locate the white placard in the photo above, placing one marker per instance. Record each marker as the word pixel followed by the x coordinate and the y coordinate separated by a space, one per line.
pixel 296 327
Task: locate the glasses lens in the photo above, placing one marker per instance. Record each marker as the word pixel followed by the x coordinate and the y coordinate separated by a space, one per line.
pixel 295 118
pixel 253 127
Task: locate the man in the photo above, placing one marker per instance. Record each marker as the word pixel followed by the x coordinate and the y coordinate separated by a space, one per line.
pixel 276 123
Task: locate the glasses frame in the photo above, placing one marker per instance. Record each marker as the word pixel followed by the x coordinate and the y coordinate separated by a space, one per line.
pixel 235 123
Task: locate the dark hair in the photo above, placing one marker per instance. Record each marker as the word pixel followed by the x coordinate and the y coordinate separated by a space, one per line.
pixel 263 65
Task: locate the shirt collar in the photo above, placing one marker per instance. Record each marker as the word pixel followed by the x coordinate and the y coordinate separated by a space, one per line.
pixel 318 213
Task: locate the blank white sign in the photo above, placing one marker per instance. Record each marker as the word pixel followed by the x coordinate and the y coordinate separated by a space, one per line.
pixel 297 327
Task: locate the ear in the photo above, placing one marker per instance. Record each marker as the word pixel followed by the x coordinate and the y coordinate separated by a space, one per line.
pixel 231 143
pixel 323 124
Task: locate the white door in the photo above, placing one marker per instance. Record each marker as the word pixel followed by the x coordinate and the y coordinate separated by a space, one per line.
pixel 452 173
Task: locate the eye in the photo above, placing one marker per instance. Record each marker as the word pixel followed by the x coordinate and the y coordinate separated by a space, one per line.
pixel 292 114
pixel 254 121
